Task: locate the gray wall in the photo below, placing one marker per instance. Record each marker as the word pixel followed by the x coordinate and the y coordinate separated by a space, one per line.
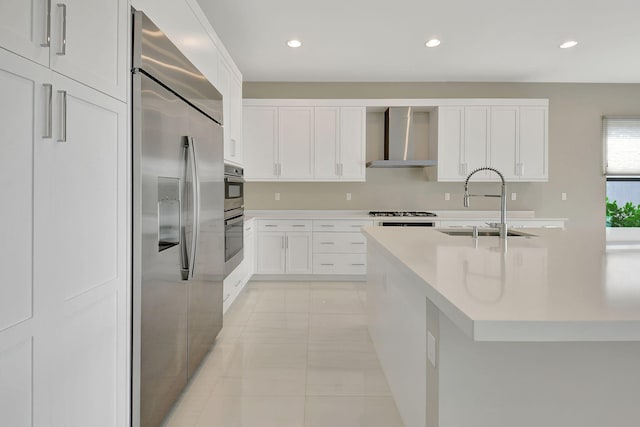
pixel 575 151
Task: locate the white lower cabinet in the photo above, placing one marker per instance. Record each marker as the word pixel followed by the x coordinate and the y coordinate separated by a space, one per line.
pixel 339 247
pixel 284 247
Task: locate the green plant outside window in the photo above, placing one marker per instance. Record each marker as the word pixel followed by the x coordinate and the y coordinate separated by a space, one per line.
pixel 622 216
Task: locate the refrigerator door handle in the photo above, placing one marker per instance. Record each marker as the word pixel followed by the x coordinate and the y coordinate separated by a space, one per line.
pixel 188 255
pixel 196 205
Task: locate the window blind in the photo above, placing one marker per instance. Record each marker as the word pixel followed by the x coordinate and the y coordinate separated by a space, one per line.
pixel 622 145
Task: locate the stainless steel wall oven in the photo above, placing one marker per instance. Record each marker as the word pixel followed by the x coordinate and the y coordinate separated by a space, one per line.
pixel 233 216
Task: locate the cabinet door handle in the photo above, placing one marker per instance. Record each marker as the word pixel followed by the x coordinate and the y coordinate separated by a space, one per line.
pixel 237 284
pixel 226 298
pixel 337 169
pixel 48 111
pixel 63 130
pixel 279 169
pixel 47 36
pixel 341 169
pixel 286 242
pixel 326 264
pixel 521 169
pixel 63 44
pixel 275 169
pixel 282 242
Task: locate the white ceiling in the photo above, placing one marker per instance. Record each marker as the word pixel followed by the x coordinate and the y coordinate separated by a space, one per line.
pixel 482 40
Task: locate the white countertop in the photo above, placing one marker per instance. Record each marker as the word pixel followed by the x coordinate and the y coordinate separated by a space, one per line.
pixel 564 285
pixel 455 215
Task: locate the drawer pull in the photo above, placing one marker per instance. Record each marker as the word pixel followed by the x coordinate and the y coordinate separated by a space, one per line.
pixel 357 243
pixel 359 264
pixel 299 225
pixel 270 225
pixel 358 226
pixel 237 284
pixel 226 298
pixel 326 264
pixel 327 225
pixel 326 243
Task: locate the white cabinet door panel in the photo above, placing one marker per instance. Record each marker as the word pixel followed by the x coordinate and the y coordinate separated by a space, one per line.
pixel 271 259
pixel 21 122
pixel 503 153
pixel 23 28
pixel 450 143
pixel 476 139
pixel 352 143
pixel 298 249
pixel 80 189
pixel 295 131
pixel 89 43
pixel 16 394
pixel 260 134
pixel 327 139
pixel 533 144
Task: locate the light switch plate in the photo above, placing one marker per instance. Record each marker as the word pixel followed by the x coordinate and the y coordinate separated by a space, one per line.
pixel 431 348
pixel 447 196
pixel 348 196
pixel 277 196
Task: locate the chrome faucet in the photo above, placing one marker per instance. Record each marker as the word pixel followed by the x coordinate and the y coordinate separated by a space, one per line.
pixel 503 199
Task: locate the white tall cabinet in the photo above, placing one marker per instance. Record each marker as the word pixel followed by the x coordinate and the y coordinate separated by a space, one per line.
pixel 64 326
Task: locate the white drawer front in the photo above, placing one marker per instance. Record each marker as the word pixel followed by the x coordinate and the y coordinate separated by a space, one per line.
pixel 285 225
pixel 340 264
pixel 343 243
pixel 342 225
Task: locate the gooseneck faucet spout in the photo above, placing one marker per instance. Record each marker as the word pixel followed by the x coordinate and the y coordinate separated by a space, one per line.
pixel 503 199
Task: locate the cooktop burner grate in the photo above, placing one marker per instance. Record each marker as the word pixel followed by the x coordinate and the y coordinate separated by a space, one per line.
pixel 401 213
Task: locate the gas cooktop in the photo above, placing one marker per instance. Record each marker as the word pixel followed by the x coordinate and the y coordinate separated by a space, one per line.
pixel 401 213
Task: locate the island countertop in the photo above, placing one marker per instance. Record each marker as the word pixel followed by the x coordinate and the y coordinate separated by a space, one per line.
pixel 562 285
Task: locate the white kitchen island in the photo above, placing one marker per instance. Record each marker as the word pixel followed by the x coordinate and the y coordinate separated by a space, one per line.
pixel 540 331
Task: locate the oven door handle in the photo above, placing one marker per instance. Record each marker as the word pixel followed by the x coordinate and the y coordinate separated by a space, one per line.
pixel 234 179
pixel 235 220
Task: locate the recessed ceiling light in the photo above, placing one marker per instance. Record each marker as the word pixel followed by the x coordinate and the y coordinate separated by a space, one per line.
pixel 568 44
pixel 294 43
pixel 432 43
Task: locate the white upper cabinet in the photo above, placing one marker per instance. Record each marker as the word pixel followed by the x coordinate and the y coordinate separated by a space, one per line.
pixel 314 143
pixel 510 138
pixel 327 140
pixel 25 29
pixel 352 152
pixel 295 143
pixel 234 117
pixel 260 131
pixel 81 39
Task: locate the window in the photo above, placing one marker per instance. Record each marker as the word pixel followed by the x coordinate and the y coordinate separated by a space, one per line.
pixel 622 146
pixel 622 168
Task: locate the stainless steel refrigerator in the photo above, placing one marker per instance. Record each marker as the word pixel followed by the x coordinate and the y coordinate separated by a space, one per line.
pixel 178 221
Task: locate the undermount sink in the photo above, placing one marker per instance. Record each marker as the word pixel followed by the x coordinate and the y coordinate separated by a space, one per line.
pixel 485 232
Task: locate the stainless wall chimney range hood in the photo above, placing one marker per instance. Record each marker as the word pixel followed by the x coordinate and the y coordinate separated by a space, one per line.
pixel 398 141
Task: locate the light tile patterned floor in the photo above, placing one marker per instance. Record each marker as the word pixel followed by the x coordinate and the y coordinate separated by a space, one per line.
pixel 291 354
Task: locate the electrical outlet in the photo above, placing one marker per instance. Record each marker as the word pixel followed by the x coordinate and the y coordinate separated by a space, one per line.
pixel 277 195
pixel 447 196
pixel 564 196
pixel 348 196
pixel 513 196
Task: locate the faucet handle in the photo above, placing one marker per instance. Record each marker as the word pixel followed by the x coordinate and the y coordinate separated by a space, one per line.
pixel 493 224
